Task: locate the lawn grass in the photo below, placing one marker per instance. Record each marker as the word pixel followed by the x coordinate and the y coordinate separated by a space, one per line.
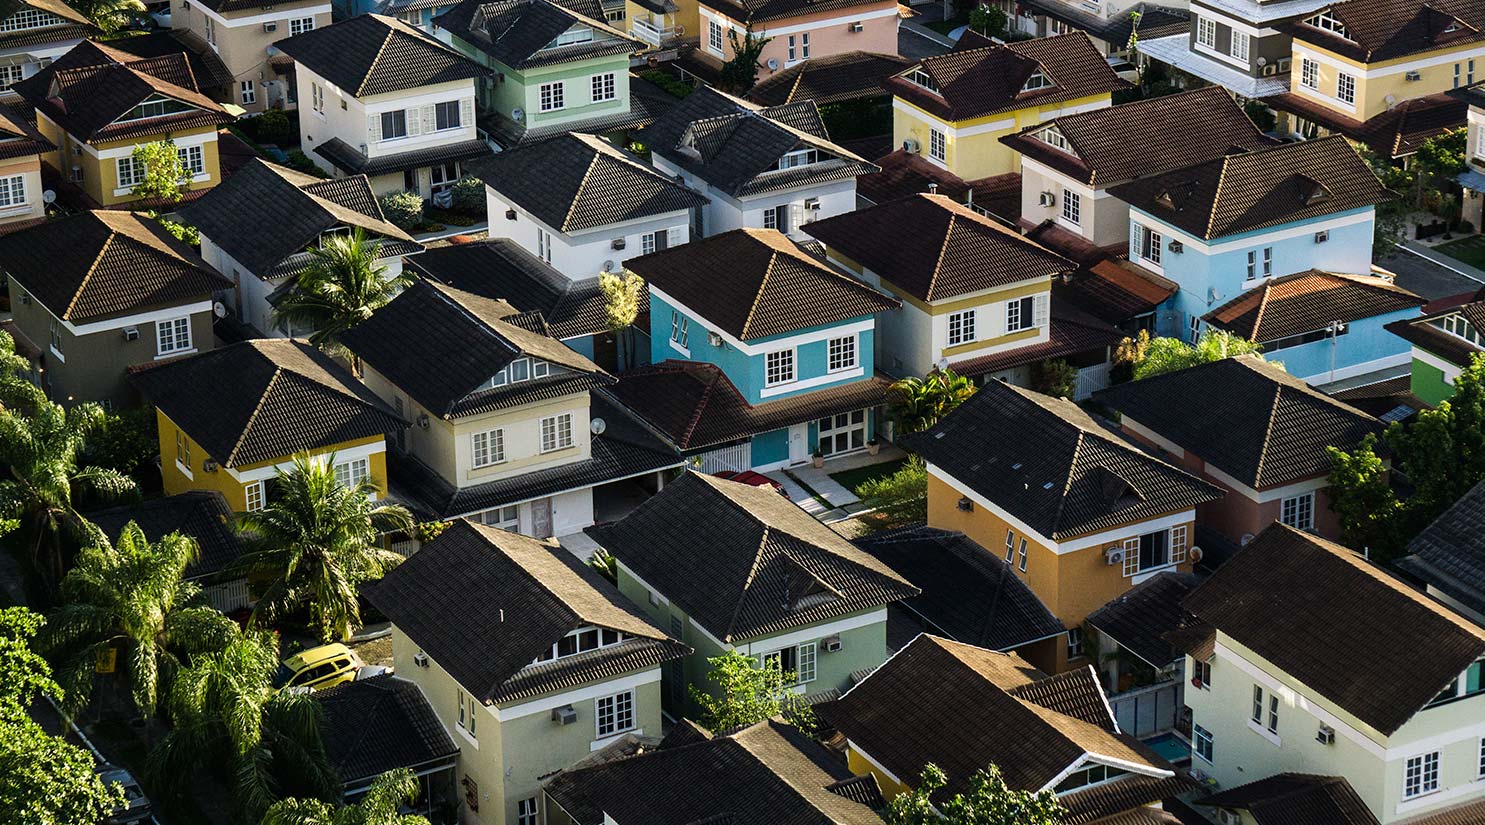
pixel 1470 250
pixel 851 479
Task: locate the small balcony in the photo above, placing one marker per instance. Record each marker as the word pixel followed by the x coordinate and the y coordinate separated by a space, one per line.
pixel 655 34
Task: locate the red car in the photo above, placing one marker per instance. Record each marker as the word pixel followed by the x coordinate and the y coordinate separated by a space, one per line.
pixel 755 479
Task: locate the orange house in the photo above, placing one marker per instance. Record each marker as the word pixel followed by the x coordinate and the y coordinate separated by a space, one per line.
pixel 1080 514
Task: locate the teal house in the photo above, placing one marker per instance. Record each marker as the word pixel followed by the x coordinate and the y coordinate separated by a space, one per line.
pixel 727 566
pixel 1445 339
pixel 761 354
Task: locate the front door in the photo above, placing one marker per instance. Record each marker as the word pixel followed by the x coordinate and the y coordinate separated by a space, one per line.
pixel 541 518
pixel 799 451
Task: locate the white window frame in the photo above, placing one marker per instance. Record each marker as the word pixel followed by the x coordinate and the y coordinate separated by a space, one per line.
pixel 1017 319
pixel 804 45
pixel 552 97
pixel 604 87
pixel 391 117
pixel 12 191
pixel 1148 243
pixel 455 120
pixel 806 652
pixel 841 353
pixel 317 97
pixel 12 73
pixel 130 171
pixel 1200 735
pixel 1421 775
pixel 610 721
pixel 1255 714
pixel 1298 511
pixel 1206 32
pixel 1010 546
pixel 1345 87
pixel 1072 207
pixel 961 327
pixel 938 145
pixel 355 471
pixel 715 38
pixel 544 245
pixel 1309 74
pixel 253 496
pixel 487 448
pixel 831 429
pixel 300 25
pixel 791 58
pixel 780 367
pixel 1075 642
pixel 193 159
pixel 173 336
pixel 1021 555
pixel 556 432
pixel 1238 48
pixel 248 91
pixel 528 811
pixel 680 330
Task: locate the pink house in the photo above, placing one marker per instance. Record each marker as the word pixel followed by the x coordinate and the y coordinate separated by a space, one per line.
pixel 1254 430
pixel 798 30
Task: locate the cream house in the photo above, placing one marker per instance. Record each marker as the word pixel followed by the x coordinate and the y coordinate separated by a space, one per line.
pixel 242 34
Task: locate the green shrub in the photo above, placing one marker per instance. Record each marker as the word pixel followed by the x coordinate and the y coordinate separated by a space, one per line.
pixel 468 195
pixel 667 81
pixel 300 162
pixel 404 209
pixel 273 126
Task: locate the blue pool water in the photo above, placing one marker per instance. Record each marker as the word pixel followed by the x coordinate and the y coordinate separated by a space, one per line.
pixel 1170 747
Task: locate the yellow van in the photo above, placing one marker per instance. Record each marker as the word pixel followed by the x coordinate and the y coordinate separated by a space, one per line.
pixel 318 668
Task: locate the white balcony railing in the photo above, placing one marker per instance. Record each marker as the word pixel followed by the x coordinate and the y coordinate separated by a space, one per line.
pixel 653 34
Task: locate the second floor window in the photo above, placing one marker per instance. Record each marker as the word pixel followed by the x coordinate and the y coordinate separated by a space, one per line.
pixel 604 87
pixel 1206 32
pixel 1260 262
pixel 131 172
pixel 1146 243
pixel 1309 74
pixel 446 115
pixel 193 159
pixel 778 367
pixel 1421 775
pixel 1072 207
pixel 962 327
pixel 248 92
pixel 556 432
pixel 487 448
pixel 253 496
pixel 1155 550
pixel 1019 314
pixel 680 329
pixel 1460 326
pixel 938 145
pixel 798 157
pixel 173 336
pixel 1239 46
pixel 300 25
pixel 1202 739
pixel 842 353
pixel 544 245
pixel 918 77
pixel 714 36
pixel 1298 511
pixel 317 97
pixel 155 107
pixel 28 18
pixel 350 473
pixel 1345 88
pixel 394 124
pixel 12 190
pixel 615 713
pixel 552 96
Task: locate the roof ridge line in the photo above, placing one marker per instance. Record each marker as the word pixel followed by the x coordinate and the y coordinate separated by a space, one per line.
pixel 1217 196
pixel 752 570
pixel 370 70
pixel 1268 432
pixel 582 185
pixel 1262 306
pixel 262 399
pixel 773 259
pixel 701 405
pixel 92 268
pixel 938 262
pixel 1067 486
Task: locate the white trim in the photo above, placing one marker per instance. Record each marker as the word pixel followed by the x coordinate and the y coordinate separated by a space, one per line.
pixel 1145 432
pixel 773 345
pixel 341 456
pixel 807 383
pixel 1363 368
pixel 600 744
pixel 56 353
pixel 1271 738
pixel 678 348
pixel 1149 526
pixel 125 151
pixel 1250 238
pixel 169 313
pixel 768 644
pixel 184 470
pixel 1428 800
pixel 1364 70
pixel 611 687
pixel 282 16
pixel 1234 23
pixel 1109 761
pixel 125 190
pixel 1206 51
pixel 1066 182
pixel 1273 493
pixel 827 23
pixel 1450 369
pixel 852 746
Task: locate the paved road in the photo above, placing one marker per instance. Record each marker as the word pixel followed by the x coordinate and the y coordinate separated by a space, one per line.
pixel 1427 278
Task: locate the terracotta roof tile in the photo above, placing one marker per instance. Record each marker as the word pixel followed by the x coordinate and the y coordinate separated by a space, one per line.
pixel 1308 301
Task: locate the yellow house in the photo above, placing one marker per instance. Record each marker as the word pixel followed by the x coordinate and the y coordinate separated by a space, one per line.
pixel 229 420
pixel 1082 515
pixel 97 103
pixel 1377 72
pixel 954 108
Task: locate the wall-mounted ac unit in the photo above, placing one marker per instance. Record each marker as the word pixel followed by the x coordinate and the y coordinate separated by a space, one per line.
pixel 910 145
pixel 1284 64
pixel 1113 555
pixel 1176 247
pixel 1269 70
pixel 271 26
pixel 1047 199
pixel 714 339
pixel 831 643
pixel 812 204
pixel 856 27
pixel 210 465
pixel 1412 77
pixel 1322 236
pixel 618 243
pixel 564 715
pixel 420 659
pixel 131 333
pixel 1326 735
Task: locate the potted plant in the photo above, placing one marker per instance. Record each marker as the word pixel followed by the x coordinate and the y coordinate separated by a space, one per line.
pixel 872 446
pixel 818 458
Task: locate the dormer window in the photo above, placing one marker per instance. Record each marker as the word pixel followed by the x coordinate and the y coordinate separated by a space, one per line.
pixel 1459 326
pixel 1089 774
pixel 29 19
pixel 155 106
pixel 571 37
pixel 918 77
pixel 1468 683
pixel 1325 21
pixel 1052 136
pixel 333 233
pixel 799 157
pixel 581 640
pixel 521 369
pixel 1037 81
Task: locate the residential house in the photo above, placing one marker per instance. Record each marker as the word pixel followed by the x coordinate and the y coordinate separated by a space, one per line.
pixel 1225 226
pixel 1449 556
pixel 36 32
pixel 977 296
pixel 103 291
pixel 1086 514
pixel 591 208
pixel 242 33
pixel 759 168
pixel 1115 26
pixel 148 100
pixel 847 77
pixel 1472 179
pixel 203 516
pixel 1382 686
pixel 556 67
pixel 1275 799
pixel 970 595
pixel 1052 733
pixel 1263 442
pixel 954 108
pixel 389 102
pixel 1241 45
pixel 259 227
pixel 1377 72
pixel 416 13
pixel 21 150
pixel 796 30
pixel 747 374
pixel 539 662
pixel 385 723
pixel 1139 667
pixel 1445 339
pixel 1323 326
pixel 572 311
pixel 1069 163
pixel 763 774
pixel 507 430
pixel 777 585
pixel 232 419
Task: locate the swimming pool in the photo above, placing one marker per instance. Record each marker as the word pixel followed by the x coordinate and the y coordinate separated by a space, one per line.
pixel 1171 747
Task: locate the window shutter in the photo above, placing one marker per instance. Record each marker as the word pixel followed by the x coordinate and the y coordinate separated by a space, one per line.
pixel 992 321
pixel 796 215
pixel 1039 316
pixel 1134 240
pixel 466 113
pixel 674 237
pixel 374 128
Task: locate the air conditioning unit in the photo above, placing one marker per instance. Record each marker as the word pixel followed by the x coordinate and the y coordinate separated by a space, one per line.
pixel 812 204
pixel 210 465
pixel 564 715
pixel 1269 70
pixel 966 504
pixel 510 214
pixel 857 27
pixel 1284 64
pixel 618 243
pixel 1413 76
pixel 1047 199
pixel 1113 555
pixel 131 333
pixel 831 644
pixel 1326 735
pixel 910 145
pixel 713 338
pixel 1176 247
pixel 271 26
pixel 420 659
pixel 1322 236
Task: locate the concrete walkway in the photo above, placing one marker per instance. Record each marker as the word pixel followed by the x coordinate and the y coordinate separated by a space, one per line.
pixel 823 497
pixel 579 544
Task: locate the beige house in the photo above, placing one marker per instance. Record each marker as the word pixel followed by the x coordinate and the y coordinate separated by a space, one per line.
pixel 242 34
pixel 33 33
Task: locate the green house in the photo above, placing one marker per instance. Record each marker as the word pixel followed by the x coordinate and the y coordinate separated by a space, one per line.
pixel 1449 334
pixel 728 566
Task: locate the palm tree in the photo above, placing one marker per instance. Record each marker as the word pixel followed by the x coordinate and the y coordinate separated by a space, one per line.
pixel 40 443
pixel 108 15
pixel 378 807
pixel 315 542
pixel 131 597
pixel 341 286
pixel 918 403
pixel 228 715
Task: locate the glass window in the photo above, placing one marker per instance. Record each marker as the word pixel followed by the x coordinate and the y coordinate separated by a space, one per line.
pixel 604 88
pixel 842 432
pixel 805 663
pixel 1421 775
pixel 615 713
pixel 1021 554
pixel 1053 136
pixel 1074 642
pixel 1257 714
pixel 446 115
pixel 174 335
pixel 394 124
pixel 317 97
pixel 1203 740
pixel 1309 74
pixel 488 448
pixel 1273 713
pixel 552 96
pixel 131 172
pixel 29 19
pixel 680 329
pixel 1010 546
pixel 1072 207
pixel 1035 82
pixel 1147 243
pixel 352 473
pixel 544 245
pixel 792 56
pixel 526 812
pixel 919 77
pixel 248 92
pixel 714 36
pixel 842 353
pixel 1238 48
pixel 253 496
pixel 1019 314
pixel 778 367
pixel 1345 88
pixel 1299 511
pixel 556 432
pixel 804 45
pixel 301 25
pixel 961 327
pixel 799 157
pixel 1206 32
pixel 193 159
pixel 938 146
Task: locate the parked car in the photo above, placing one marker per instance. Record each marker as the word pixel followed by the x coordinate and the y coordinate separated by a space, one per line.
pixel 137 806
pixel 318 668
pixel 755 479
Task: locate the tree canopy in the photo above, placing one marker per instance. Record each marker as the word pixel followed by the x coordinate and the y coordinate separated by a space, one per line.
pixel 749 694
pixel 988 801
pixel 916 404
pixel 378 807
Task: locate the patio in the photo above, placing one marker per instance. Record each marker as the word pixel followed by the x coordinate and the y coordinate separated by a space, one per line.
pixel 813 489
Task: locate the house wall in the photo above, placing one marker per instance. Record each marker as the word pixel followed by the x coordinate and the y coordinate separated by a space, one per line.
pixel 1432 377
pixel 972 147
pixel 31 205
pixel 99 164
pixel 1366 347
pixel 241 40
pixel 232 482
pixel 91 362
pixel 861 764
pixel 1103 218
pixel 1376 82
pixel 510 89
pixel 1372 762
pixel 829 34
pixel 725 213
pixel 29 56
pixel 1265 42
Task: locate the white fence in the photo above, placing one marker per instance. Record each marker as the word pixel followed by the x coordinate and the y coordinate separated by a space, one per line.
pixel 228 596
pixel 736 457
pixel 1091 380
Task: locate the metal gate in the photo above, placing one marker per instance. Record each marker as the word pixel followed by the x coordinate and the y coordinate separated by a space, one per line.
pixel 736 457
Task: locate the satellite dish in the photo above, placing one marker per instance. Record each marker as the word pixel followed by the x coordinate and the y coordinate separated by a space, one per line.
pixel 1390 100
pixel 773 64
pixel 518 115
pixel 48 196
pixel 219 309
pixel 608 266
pixel 597 426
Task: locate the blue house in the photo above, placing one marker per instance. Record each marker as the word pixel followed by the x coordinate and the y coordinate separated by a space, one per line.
pixel 1323 326
pixel 1226 226
pixel 762 354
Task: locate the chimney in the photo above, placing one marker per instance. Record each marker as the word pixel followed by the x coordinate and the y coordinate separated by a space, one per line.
pixel 932 188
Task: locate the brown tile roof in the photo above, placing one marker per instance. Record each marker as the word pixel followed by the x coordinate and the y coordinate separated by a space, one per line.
pixel 1049 464
pixel 1469 813
pixel 1296 799
pixel 1140 618
pixel 1124 802
pixel 1378 30
pixel 905 173
pixel 1111 145
pixel 1004 712
pixel 1423 332
pixel 1308 301
pixel 759 11
pixel 370 54
pixel 935 249
pixel 832 79
pixel 756 283
pixel 1272 428
pixel 1339 625
pixel 1449 554
pixel 974 82
pixel 263 400
pixel 518 32
pixel 696 406
pixel 1115 290
pixel 769 565
pixel 1395 133
pixel 1257 190
pixel 106 264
